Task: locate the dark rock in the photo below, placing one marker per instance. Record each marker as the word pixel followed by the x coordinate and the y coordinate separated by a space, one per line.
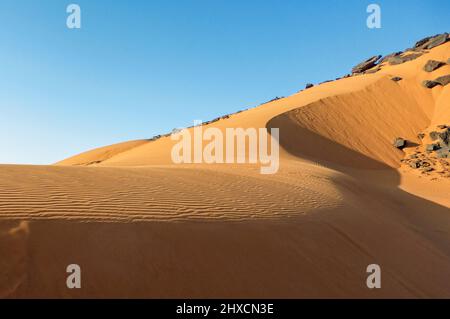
pixel 443 153
pixel 445 137
pixel 434 135
pixel 432 65
pixel 309 85
pixel 443 80
pixel 436 41
pixel 431 42
pixel 432 147
pixel 403 59
pixel 429 84
pixel 373 70
pixel 399 143
pixel 422 42
pixel 396 79
pixel 366 65
pixel 421 136
pixel 443 126
pixel 415 164
pixel 426 169
pixel 392 55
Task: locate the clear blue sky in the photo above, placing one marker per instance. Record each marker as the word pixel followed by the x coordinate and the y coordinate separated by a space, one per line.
pixel 139 68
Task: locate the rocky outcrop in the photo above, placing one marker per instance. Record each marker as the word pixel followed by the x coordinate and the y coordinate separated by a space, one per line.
pixel 366 65
pixel 403 59
pixel 431 42
pixel 436 41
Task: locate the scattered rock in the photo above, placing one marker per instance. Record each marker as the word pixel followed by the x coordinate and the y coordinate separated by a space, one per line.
pixel 443 126
pixel 421 136
pixel 443 80
pixel 309 85
pixel 445 137
pixel 432 65
pixel 429 84
pixel 434 135
pixel 421 43
pixel 432 147
pixel 396 79
pixel 415 164
pixel 399 143
pixel 426 169
pixel 366 65
pixel 443 153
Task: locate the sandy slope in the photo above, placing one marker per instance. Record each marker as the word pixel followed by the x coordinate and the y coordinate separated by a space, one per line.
pixel 140 226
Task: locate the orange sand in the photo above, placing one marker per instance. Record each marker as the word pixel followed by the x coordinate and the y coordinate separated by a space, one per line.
pixel 140 226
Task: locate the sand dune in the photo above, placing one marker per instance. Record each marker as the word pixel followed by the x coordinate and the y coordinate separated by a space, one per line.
pixel 141 226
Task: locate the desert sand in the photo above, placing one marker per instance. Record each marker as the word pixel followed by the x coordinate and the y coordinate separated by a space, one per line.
pixel 343 198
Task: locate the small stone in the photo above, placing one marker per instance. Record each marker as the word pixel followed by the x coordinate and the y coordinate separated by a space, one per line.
pixel 434 135
pixel 309 85
pixel 415 164
pixel 426 169
pixel 399 143
pixel 442 127
pixel 432 147
pixel 421 136
pixel 429 84
pixel 396 79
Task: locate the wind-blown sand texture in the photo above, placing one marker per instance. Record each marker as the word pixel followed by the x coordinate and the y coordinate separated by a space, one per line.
pixel 141 226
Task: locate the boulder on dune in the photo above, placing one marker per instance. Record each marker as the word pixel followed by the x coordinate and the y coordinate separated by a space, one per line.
pixel 309 85
pixel 399 143
pixel 366 65
pixel 396 78
pixel 433 65
pixel 429 84
pixel 443 80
